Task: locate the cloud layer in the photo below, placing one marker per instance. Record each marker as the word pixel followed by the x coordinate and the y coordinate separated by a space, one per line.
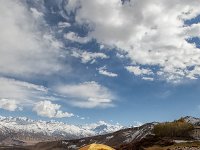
pixel 14 95
pixel 87 94
pixel 151 36
pixel 152 33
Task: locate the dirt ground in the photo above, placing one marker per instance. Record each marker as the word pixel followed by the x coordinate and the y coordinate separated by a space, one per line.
pixel 178 146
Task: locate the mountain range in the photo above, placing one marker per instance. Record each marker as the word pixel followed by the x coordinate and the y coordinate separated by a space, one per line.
pixel 132 138
pixel 24 131
pixel 27 134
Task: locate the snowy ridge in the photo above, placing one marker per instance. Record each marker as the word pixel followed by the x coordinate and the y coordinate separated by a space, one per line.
pixel 140 133
pixel 192 120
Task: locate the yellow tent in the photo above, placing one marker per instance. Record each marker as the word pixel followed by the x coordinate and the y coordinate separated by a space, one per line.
pixel 96 147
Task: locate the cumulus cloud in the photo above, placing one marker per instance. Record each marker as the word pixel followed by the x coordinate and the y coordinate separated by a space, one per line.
pixel 136 70
pixel 8 104
pixel 16 94
pixel 87 94
pixel 192 31
pixel 152 33
pixel 139 71
pixel 36 14
pixel 20 91
pixel 103 71
pixel 148 78
pixel 48 109
pixel 24 94
pixel 62 25
pixel 82 118
pixel 75 38
pixel 27 46
pixel 88 56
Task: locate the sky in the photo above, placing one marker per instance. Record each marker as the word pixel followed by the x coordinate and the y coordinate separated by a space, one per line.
pixel 81 61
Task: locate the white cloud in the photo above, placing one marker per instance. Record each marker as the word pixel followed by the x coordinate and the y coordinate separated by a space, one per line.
pixel 15 94
pixel 103 71
pixel 148 78
pixel 8 104
pixel 48 109
pixel 152 32
pixel 22 92
pixel 136 70
pixel 93 104
pixel 26 45
pixel 36 14
pixel 63 24
pixel 87 94
pixel 192 31
pixel 75 38
pixel 88 56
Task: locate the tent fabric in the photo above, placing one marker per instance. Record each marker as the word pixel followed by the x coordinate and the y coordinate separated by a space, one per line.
pixel 96 147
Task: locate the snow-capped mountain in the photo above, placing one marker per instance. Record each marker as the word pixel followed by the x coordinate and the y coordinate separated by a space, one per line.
pixel 21 129
pixel 115 139
pixel 192 120
pixel 119 140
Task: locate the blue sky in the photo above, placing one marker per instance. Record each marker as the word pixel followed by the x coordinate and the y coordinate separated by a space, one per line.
pixel 81 61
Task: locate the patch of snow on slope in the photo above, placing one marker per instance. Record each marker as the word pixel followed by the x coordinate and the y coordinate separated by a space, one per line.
pixel 109 137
